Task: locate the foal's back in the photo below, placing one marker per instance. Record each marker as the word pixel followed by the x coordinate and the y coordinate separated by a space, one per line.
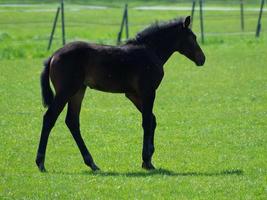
pixel 101 67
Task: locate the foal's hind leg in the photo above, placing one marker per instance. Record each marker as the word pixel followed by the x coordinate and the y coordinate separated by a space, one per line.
pixel 49 120
pixel 72 121
pixel 148 145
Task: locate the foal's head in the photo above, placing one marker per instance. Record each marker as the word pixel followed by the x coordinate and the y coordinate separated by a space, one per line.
pixel 174 35
pixel 187 44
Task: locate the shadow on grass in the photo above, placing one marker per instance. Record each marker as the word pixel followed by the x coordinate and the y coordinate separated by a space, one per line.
pixel 160 172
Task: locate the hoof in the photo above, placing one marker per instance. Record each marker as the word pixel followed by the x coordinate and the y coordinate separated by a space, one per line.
pixel 40 163
pixel 40 166
pixel 88 160
pixel 94 167
pixel 148 166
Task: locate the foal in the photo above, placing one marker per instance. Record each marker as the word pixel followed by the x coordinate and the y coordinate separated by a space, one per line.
pixel 135 68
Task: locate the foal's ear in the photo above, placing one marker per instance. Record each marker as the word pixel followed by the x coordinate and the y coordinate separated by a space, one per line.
pixel 187 22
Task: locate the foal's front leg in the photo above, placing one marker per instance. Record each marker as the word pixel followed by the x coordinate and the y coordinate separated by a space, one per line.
pixel 148 123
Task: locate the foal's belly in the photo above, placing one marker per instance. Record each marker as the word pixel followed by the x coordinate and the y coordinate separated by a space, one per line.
pixel 107 83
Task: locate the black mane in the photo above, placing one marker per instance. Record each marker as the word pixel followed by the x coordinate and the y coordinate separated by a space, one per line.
pixel 153 29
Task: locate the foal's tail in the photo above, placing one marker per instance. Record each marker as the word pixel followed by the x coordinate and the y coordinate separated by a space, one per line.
pixel 47 93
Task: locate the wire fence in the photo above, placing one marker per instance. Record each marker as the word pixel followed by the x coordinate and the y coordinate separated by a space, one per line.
pixel 213 15
pixel 250 13
pixel 121 2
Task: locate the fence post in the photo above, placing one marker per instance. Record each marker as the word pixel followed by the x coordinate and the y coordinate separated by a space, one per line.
pixel 259 20
pixel 242 14
pixel 192 13
pixel 53 29
pixel 201 20
pixel 126 21
pixel 122 24
pixel 63 22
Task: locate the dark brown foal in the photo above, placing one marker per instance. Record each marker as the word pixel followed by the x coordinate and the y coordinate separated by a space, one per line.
pixel 135 68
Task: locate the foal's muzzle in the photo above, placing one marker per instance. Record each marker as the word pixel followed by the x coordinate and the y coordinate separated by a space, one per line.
pixel 200 59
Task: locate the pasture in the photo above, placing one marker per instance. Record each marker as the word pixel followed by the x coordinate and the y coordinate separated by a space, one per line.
pixel 211 135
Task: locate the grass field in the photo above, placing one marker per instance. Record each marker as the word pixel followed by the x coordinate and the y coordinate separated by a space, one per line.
pixel 211 135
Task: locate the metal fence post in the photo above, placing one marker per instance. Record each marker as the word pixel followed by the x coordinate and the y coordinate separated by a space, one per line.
pixel 259 20
pixel 63 22
pixel 53 29
pixel 192 13
pixel 201 20
pixel 126 21
pixel 242 14
pixel 122 25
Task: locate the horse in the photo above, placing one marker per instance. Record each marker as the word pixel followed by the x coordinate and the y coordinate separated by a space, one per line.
pixel 134 68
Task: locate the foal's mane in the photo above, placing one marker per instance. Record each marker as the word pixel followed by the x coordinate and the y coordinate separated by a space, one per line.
pixel 154 29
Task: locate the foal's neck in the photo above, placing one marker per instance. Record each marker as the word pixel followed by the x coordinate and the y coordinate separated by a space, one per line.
pixel 162 51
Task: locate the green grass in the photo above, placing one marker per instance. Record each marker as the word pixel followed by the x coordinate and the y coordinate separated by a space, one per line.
pixel 211 135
